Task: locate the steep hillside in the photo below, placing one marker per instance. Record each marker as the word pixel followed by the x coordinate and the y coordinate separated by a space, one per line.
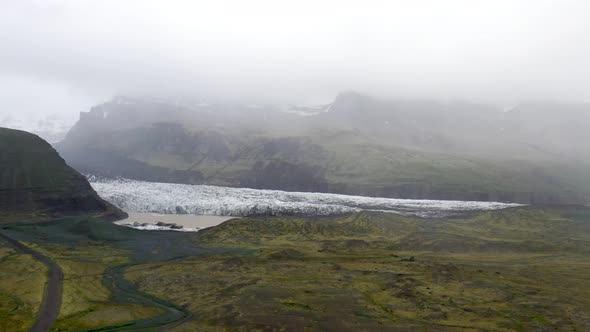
pixel 36 183
pixel 357 145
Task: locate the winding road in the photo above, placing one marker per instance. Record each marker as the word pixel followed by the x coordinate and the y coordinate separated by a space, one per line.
pixel 113 278
pixel 52 298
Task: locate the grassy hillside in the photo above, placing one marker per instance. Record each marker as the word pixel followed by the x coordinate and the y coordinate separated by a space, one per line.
pixel 36 183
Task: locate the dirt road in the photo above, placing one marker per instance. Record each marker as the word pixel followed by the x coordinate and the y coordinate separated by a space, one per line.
pixel 52 298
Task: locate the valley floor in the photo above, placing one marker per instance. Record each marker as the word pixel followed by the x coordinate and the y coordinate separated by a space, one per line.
pixel 520 269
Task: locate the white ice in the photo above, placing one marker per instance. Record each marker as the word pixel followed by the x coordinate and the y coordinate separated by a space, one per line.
pixel 170 198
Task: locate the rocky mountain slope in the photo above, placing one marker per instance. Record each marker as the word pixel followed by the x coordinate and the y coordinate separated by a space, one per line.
pixel 36 183
pixel 535 153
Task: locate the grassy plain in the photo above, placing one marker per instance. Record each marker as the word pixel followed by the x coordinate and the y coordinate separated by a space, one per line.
pixel 22 282
pixel 522 269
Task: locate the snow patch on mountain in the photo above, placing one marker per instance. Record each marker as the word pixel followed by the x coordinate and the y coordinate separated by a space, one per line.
pixel 169 198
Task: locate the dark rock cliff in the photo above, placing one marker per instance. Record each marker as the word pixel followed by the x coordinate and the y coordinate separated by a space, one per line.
pixel 37 184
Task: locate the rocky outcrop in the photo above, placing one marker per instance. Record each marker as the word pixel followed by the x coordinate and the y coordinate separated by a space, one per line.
pixel 37 184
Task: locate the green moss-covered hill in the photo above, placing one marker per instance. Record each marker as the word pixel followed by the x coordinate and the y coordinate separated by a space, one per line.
pixel 36 183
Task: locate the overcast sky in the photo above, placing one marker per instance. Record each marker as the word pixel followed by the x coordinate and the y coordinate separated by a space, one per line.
pixel 60 56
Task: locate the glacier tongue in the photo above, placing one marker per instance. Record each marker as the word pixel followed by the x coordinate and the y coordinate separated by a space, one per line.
pixel 139 196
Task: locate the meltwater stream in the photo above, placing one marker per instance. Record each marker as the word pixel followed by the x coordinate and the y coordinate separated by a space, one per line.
pixel 170 198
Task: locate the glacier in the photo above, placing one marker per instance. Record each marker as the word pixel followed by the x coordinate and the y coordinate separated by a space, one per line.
pixel 171 198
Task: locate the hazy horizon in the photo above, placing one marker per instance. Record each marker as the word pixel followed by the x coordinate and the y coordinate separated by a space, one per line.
pixel 62 57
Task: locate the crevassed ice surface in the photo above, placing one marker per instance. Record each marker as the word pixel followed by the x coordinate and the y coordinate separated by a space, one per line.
pixel 139 196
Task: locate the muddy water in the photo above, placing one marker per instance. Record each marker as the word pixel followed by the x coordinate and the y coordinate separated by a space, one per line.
pixel 188 221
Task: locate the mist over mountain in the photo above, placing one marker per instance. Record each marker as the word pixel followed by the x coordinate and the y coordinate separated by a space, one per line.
pixel 357 144
pixel 52 128
pixel 61 56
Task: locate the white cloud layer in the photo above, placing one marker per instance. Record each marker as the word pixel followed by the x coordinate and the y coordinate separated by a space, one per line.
pixel 65 55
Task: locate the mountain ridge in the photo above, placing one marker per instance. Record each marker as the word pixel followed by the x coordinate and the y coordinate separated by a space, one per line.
pixel 357 145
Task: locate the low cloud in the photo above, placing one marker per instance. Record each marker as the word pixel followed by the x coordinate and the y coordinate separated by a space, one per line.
pixel 63 56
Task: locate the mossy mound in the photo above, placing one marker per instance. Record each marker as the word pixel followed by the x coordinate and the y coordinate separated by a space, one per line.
pixel 287 254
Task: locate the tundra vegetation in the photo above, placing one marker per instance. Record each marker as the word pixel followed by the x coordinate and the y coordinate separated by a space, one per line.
pixel 523 269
